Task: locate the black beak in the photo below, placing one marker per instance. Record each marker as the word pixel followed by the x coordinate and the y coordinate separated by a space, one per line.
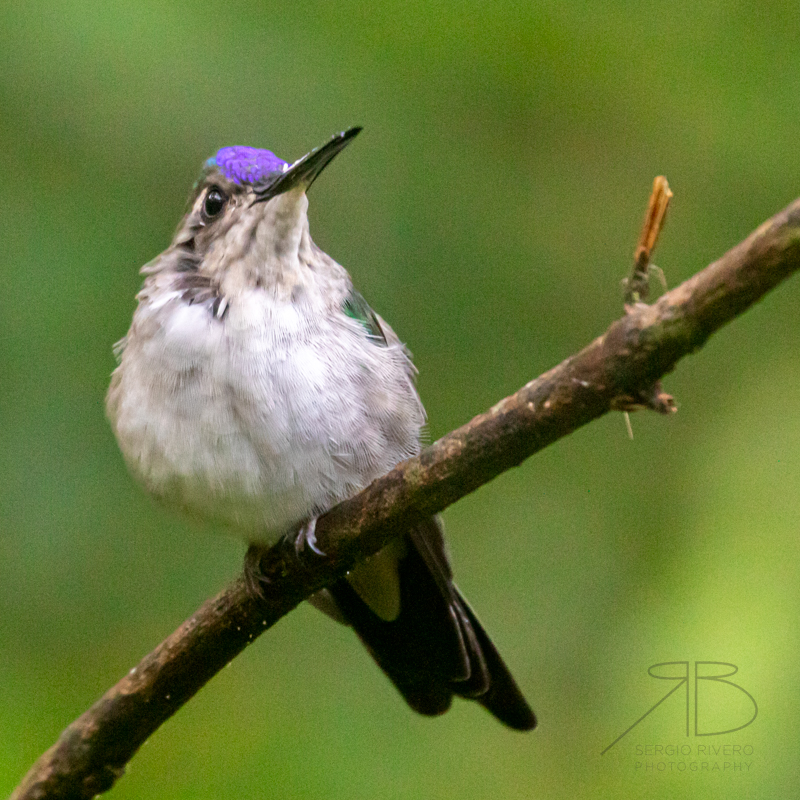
pixel 304 171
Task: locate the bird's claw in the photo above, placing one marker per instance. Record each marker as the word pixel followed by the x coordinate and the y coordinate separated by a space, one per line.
pixel 254 576
pixel 306 537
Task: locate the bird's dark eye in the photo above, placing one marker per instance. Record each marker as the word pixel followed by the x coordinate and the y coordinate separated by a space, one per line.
pixel 214 202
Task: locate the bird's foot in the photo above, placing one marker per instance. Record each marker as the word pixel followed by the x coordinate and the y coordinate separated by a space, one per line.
pixel 306 537
pixel 264 567
pixel 257 580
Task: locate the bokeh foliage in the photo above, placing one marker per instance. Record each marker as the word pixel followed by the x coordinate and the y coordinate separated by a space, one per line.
pixel 488 211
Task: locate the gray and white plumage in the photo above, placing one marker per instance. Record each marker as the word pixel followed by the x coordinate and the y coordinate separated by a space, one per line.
pixel 256 388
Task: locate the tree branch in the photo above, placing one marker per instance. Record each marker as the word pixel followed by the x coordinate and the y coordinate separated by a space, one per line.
pixel 617 370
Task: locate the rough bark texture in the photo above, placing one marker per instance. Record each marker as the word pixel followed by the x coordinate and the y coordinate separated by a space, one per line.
pixel 618 370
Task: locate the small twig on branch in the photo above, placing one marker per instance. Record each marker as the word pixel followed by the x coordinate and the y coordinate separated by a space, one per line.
pixel 637 290
pixel 631 356
pixel 637 287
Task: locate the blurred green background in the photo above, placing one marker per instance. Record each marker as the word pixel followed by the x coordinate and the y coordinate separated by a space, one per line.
pixel 488 211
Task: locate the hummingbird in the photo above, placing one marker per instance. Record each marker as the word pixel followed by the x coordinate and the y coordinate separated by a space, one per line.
pixel 256 388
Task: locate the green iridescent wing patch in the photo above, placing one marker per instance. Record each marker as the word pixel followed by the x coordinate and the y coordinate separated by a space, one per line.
pixel 357 308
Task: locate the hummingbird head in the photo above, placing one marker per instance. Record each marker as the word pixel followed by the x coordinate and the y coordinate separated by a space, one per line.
pixel 247 224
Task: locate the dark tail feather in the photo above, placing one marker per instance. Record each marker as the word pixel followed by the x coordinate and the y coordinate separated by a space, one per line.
pixel 436 647
pixel 503 697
